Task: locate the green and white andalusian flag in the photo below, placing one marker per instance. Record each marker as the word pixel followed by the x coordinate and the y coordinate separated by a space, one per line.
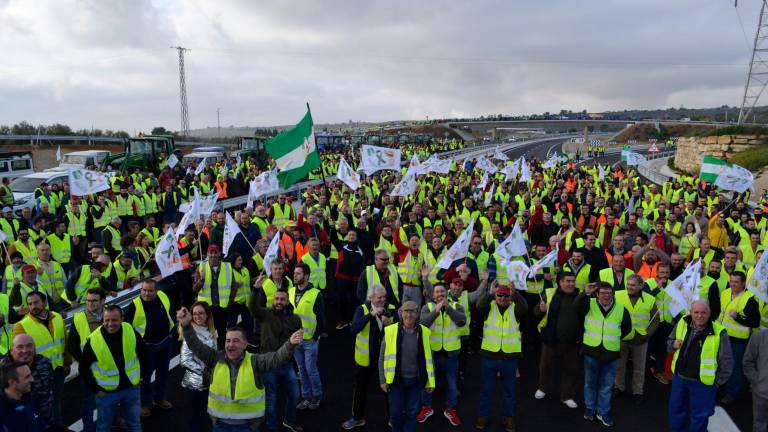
pixel 711 168
pixel 294 152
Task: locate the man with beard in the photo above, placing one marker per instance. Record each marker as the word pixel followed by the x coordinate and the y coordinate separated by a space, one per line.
pixel 658 345
pixel 277 323
pixel 676 265
pixel 593 256
pixel 711 285
pixel 580 269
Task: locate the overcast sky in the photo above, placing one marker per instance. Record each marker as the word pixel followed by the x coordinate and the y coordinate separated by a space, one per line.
pixel 107 63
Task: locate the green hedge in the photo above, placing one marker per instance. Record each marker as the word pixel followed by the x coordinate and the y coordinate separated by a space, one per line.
pixel 751 159
pixel 731 130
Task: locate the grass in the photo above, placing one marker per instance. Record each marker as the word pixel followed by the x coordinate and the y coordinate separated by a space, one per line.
pixel 731 130
pixel 751 159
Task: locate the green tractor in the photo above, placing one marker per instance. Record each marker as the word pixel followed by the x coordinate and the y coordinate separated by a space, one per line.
pixel 252 146
pixel 142 152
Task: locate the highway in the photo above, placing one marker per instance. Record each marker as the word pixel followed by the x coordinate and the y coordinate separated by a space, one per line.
pixel 336 367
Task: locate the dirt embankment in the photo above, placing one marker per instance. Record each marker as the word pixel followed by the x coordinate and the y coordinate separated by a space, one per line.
pixel 645 131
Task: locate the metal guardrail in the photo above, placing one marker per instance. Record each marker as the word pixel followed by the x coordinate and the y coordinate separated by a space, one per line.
pixel 656 176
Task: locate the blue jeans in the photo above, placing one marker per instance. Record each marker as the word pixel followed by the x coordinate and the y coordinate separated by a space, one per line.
pixel 404 399
pixel 736 381
pixel 448 366
pixel 225 427
pixel 284 377
pixel 489 368
pixel 87 405
pixel 58 390
pixel 306 357
pixel 158 357
pixel 598 384
pixel 690 400
pixel 128 400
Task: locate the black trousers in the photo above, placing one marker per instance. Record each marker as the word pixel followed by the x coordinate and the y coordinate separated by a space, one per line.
pixel 220 317
pixel 363 377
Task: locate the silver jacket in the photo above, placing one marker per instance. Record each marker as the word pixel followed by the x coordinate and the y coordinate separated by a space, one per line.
pixel 193 367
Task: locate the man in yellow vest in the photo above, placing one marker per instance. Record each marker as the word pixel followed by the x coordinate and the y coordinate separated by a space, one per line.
pixel 213 285
pixel 739 314
pixel 702 362
pixel 308 305
pixel 606 323
pixel 111 366
pixel 110 237
pixel 645 319
pixel 405 367
pixel 84 323
pixel 281 212
pixel 150 316
pixel 444 320
pixel 23 245
pixel 61 245
pixel 236 395
pixel 502 309
pixel 47 329
pixel 384 273
pixel 368 324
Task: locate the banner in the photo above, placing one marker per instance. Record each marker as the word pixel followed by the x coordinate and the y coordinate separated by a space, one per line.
pixel 600 172
pixel 190 217
pixel 406 186
pixel 459 248
pixel 375 158
pixel 511 170
pixel 525 171
pixel 84 182
pixel 551 162
pixel 547 261
pixel 513 245
pixel 172 160
pixel 633 158
pixel 758 282
pixel 201 166
pixel 347 175
pixel 231 230
pixel 167 255
pixel 517 272
pixel 489 195
pixel 684 289
pixel 735 178
pixel 484 164
pixel 272 253
pixel 499 155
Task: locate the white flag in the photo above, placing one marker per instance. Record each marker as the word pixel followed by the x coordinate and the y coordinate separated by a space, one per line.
pixel 347 175
pixel 375 158
pixel 440 166
pixel 513 245
pixel 758 282
pixel 3 237
pixel 406 186
pixel 484 164
pixel 517 272
pixel 272 253
pixel 489 196
pixel 498 154
pixel 265 183
pixel 511 170
pixel 207 204
pixel 547 261
pixel 201 166
pixel 167 255
pixel 735 178
pixel 84 182
pixel 483 182
pixel 231 230
pixel 58 153
pixel 414 164
pixel 525 171
pixel 600 171
pixel 190 217
pixel 459 248
pixel 172 160
pixel 633 158
pixel 684 289
pixel 551 162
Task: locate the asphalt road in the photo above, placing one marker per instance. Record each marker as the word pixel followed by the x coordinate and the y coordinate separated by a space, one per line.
pixel 336 367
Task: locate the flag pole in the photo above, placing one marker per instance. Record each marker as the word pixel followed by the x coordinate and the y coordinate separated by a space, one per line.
pixel 320 156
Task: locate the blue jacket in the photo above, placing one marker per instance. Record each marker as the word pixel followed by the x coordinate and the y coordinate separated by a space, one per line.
pixel 18 415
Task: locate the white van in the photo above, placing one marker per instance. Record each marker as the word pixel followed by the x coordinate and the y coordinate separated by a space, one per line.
pixel 24 187
pixel 211 157
pixel 15 164
pixel 82 159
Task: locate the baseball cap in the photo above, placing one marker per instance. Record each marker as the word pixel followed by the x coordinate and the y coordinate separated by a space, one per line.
pixel 28 268
pixel 213 249
pixel 503 289
pixel 7 209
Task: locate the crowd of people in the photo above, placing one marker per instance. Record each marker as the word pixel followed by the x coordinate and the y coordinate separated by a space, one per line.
pixel 250 325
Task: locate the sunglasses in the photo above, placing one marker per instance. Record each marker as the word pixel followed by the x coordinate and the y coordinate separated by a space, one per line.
pixel 502 295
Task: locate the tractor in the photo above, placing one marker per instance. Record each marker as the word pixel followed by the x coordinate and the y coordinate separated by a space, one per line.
pixel 143 152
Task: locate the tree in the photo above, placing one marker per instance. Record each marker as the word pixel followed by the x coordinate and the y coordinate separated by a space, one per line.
pixel 159 130
pixel 23 128
pixel 58 129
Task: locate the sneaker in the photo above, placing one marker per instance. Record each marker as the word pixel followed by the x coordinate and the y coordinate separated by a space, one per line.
pixel 589 415
pixel 452 416
pixel 508 423
pixel 425 413
pixel 639 399
pixel 352 423
pixel 570 403
pixel 539 394
pixel 727 400
pixel 605 419
pixel 481 423
pixel 304 404
pixel 163 405
pixel 145 411
pixel 294 427
pixel 661 378
pixel 314 404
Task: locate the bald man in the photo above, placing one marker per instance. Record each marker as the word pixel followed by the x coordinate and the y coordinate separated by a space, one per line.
pixel 23 351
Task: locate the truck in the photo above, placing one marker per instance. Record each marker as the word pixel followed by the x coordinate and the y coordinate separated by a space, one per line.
pixel 143 152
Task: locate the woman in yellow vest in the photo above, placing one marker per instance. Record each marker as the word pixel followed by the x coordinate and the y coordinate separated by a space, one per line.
pixel 404 373
pixel 244 408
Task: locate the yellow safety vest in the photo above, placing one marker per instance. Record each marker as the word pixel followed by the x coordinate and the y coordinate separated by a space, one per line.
pixel 709 351
pixel 464 302
pixel 501 331
pixel 605 330
pixel 123 275
pixel 280 216
pixel 76 224
pixel 84 282
pixel 640 311
pixel 362 340
pixel 115 241
pixel 6 331
pixel 105 369
pixel 410 269
pixel 61 249
pixel 224 283
pixel 305 309
pixel 140 319
pixel 390 354
pixel 372 278
pixel 317 270
pixel 124 207
pixel 243 277
pixel 49 346
pixel 248 400
pixel 28 251
pixel 444 334
pixel 80 321
pixel 728 305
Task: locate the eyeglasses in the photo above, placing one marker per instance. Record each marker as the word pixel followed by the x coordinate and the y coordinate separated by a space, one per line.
pixel 382 259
